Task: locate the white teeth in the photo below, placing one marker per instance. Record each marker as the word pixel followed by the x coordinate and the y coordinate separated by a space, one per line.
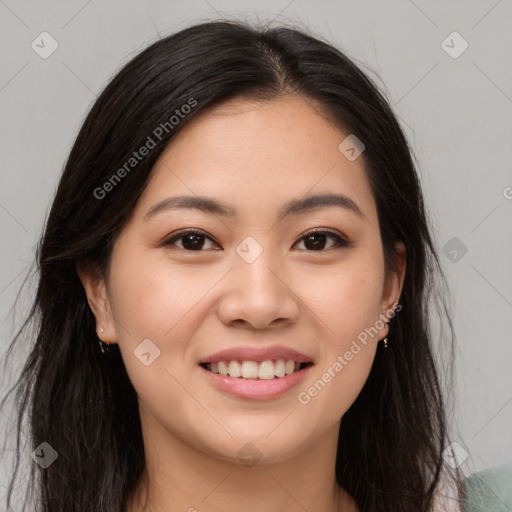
pixel 235 369
pixel 249 370
pixel 290 367
pixel 223 368
pixel 280 368
pixel 264 370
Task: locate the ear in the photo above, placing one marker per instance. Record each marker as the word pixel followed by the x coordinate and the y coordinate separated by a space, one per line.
pixel 393 285
pixel 97 297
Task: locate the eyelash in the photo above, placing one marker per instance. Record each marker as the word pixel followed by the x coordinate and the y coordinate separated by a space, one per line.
pixel 340 242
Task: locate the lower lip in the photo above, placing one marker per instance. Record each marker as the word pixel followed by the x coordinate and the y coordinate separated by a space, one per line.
pixel 256 389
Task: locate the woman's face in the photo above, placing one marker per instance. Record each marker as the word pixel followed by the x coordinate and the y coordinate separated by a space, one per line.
pixel 253 281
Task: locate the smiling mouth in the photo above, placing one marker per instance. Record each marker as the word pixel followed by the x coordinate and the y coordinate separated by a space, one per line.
pixel 264 370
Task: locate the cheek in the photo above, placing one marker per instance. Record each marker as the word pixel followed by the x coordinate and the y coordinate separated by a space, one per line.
pixel 150 298
pixel 347 301
pixel 346 298
pixel 153 300
pixel 343 368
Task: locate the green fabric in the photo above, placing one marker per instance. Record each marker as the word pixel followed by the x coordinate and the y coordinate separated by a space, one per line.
pixel 489 490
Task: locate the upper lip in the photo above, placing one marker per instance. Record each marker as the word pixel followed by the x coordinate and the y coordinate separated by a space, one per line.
pixel 257 354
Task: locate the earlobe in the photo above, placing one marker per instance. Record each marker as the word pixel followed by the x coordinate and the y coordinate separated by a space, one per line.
pixel 392 290
pixel 395 279
pixel 97 298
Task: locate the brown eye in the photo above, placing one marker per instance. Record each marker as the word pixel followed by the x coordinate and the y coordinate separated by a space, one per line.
pixel 191 240
pixel 316 240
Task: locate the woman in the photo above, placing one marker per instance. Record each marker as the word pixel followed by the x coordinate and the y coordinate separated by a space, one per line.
pixel 234 292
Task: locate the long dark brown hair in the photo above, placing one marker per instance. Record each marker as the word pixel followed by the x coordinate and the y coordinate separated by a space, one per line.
pixel 82 402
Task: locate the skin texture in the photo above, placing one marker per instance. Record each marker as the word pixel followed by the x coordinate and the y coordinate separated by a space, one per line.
pixel 254 156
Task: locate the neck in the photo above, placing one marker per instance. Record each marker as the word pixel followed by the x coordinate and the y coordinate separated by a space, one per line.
pixel 180 477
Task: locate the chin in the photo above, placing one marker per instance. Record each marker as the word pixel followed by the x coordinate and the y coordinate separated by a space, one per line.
pixel 252 447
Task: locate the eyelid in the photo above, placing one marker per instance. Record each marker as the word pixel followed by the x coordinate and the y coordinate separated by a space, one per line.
pixel 331 231
pixel 186 231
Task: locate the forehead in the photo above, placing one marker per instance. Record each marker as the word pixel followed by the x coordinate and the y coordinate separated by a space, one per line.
pixel 256 155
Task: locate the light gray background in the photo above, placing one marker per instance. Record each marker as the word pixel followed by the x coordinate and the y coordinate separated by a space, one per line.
pixel 457 115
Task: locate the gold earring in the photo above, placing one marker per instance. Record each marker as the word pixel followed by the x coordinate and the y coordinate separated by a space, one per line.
pixel 104 345
pixel 385 340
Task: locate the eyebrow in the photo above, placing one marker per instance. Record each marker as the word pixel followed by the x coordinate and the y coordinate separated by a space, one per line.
pixel 293 207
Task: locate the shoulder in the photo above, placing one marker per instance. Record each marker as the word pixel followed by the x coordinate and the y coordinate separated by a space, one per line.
pixel 489 490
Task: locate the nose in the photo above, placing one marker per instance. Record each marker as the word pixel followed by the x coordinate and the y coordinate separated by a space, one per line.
pixel 257 295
